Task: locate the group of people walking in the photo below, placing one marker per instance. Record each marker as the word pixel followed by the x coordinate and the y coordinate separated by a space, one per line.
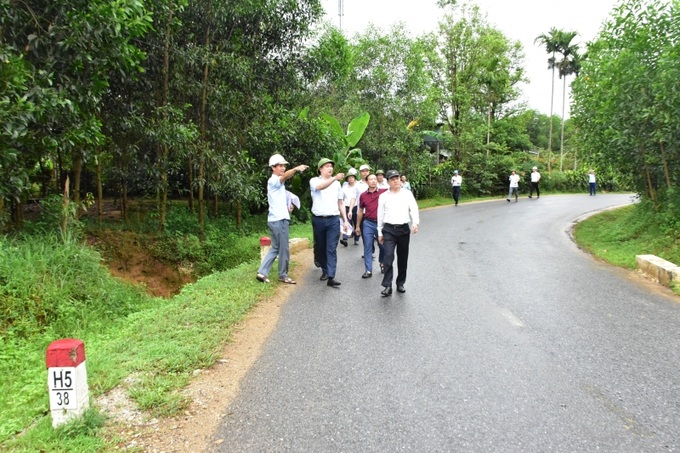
pixel 513 179
pixel 378 208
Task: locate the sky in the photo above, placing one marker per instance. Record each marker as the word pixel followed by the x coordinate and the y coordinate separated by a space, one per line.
pixel 519 20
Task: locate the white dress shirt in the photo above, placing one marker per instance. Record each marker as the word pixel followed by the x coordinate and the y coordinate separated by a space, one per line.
pixel 397 208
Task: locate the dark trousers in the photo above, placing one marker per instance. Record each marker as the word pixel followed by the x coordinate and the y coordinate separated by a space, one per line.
pixel 326 232
pixel 352 222
pixel 534 186
pixel 456 193
pixel 592 188
pixel 396 238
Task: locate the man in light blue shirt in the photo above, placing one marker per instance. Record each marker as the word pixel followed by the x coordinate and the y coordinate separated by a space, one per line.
pixel 278 219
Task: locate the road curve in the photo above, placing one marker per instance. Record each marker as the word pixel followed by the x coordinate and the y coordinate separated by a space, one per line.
pixel 508 339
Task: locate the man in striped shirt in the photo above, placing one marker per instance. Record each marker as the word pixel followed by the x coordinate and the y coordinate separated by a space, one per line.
pixel 397 208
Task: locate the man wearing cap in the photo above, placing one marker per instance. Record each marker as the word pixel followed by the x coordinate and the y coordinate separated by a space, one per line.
pixel 364 171
pixel 535 177
pixel 278 219
pixel 350 189
pixel 456 181
pixel 396 208
pixel 382 182
pixel 367 224
pixel 327 207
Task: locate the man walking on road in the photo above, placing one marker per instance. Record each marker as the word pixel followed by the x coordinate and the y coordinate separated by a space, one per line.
pixel 278 219
pixel 368 212
pixel 396 208
pixel 456 182
pixel 535 178
pixel 327 208
pixel 514 186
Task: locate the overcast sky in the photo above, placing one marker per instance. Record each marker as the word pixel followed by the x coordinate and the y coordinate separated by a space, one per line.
pixel 521 20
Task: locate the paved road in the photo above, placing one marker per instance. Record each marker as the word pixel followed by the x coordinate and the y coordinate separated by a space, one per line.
pixel 508 339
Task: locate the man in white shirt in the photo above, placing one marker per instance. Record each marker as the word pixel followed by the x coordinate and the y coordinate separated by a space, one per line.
pixel 327 208
pixel 535 178
pixel 278 219
pixel 514 186
pixel 456 181
pixel 382 182
pixel 364 171
pixel 350 189
pixel 396 208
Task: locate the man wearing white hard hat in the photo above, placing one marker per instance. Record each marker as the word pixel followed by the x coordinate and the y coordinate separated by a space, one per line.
pixel 278 219
pixel 456 182
pixel 535 178
pixel 364 171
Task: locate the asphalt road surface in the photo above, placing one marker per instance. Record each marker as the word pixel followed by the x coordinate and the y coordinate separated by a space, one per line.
pixel 508 339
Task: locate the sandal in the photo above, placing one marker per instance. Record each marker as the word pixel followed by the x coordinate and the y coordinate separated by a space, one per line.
pixel 262 278
pixel 288 280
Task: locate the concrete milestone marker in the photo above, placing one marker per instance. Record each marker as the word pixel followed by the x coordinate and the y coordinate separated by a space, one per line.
pixel 66 380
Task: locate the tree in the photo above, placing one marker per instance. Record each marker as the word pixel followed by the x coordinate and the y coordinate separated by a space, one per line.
pixel 568 65
pixel 551 41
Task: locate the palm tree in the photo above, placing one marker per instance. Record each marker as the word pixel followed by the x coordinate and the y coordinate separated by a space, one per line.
pixel 570 64
pixel 551 41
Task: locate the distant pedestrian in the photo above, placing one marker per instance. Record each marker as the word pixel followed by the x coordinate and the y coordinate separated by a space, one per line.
pixel 278 219
pixel 514 186
pixel 404 183
pixel 396 208
pixel 456 181
pixel 592 183
pixel 367 224
pixel 535 178
pixel 327 208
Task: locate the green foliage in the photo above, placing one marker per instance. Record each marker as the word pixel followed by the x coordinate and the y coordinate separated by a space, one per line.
pixel 626 97
pixel 57 285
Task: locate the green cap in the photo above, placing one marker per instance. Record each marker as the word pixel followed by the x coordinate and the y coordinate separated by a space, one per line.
pixel 323 162
pixel 379 172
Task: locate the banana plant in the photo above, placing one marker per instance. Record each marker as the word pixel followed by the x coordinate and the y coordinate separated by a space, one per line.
pixel 348 156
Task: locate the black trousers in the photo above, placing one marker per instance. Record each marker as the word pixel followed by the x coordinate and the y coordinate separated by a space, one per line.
pixel 534 186
pixel 456 193
pixel 396 239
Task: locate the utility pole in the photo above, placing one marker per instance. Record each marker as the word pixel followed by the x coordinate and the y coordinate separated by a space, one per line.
pixel 341 11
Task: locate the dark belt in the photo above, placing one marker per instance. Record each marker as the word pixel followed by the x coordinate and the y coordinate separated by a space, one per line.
pixel 371 220
pixel 326 216
pixel 401 225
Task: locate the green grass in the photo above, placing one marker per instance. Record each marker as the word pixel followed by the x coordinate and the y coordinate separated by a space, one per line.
pixel 159 342
pixel 618 235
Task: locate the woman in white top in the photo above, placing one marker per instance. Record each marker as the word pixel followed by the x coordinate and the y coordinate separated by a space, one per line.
pixel 350 190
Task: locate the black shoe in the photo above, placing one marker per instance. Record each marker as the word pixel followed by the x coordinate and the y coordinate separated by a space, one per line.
pixel 356 242
pixel 367 275
pixel 343 242
pixel 387 291
pixel 317 264
pixel 508 200
pixel 324 276
pixel 530 196
pixel 333 282
pixel 401 289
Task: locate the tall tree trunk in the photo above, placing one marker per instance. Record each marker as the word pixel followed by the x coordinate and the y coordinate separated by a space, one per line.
pixel 203 128
pixel 163 202
pixel 190 172
pixel 64 210
pixel 77 172
pixel 100 189
pixel 552 99
pixel 564 100
pixel 665 165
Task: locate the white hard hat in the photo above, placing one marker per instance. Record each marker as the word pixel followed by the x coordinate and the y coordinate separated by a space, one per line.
pixel 352 172
pixel 277 159
pixel 364 167
pixel 535 168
